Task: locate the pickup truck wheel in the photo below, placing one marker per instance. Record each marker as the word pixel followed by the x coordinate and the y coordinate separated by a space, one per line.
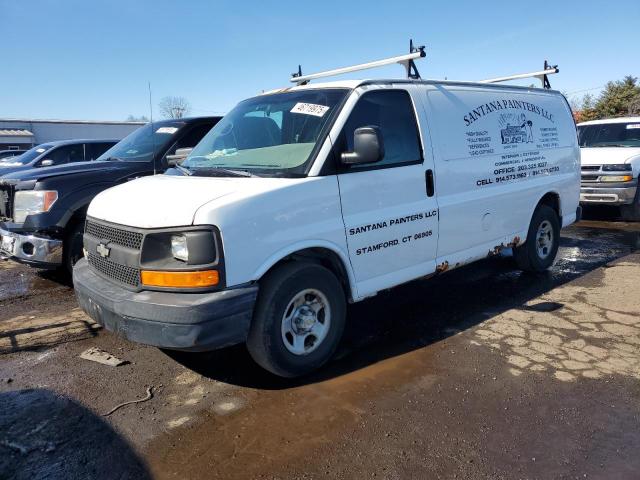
pixel 298 320
pixel 631 212
pixel 539 252
pixel 73 247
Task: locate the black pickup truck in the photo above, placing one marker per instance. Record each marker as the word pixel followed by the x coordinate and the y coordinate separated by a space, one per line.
pixel 42 211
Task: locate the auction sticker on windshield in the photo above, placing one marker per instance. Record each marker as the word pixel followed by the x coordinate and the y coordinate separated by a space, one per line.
pixel 310 109
pixel 169 130
pixel 632 126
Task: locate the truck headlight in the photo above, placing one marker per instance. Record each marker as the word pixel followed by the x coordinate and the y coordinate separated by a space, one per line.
pixel 179 248
pixel 32 202
pixel 616 178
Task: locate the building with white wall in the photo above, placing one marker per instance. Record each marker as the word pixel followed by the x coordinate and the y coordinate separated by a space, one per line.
pixel 25 133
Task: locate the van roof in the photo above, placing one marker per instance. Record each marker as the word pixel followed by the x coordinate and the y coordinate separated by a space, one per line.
pixel 611 120
pixel 351 84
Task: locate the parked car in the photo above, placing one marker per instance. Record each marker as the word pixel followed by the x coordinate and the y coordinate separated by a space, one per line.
pixel 304 199
pixel 42 211
pixel 56 153
pixel 611 164
pixel 5 155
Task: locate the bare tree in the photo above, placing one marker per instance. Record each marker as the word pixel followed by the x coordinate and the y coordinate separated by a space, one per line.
pixel 174 107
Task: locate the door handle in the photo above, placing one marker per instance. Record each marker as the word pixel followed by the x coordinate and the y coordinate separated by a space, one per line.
pixel 428 175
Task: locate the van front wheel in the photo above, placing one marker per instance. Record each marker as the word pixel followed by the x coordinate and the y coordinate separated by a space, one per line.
pixel 539 252
pixel 298 320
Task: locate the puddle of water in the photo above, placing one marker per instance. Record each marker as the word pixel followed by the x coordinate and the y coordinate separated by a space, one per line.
pixel 19 280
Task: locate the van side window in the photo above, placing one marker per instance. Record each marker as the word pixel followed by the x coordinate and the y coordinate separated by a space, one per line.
pixel 392 112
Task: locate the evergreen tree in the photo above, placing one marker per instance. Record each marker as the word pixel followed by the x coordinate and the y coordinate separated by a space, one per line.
pixel 617 97
pixel 587 110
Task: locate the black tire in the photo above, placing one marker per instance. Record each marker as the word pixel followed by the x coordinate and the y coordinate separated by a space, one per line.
pixel 72 248
pixel 266 340
pixel 631 213
pixel 527 256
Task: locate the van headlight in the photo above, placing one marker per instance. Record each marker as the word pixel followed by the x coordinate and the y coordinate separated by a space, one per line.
pixel 31 202
pixel 179 247
pixel 182 259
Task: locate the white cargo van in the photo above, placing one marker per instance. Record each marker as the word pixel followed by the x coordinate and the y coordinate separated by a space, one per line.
pixel 306 198
pixel 611 164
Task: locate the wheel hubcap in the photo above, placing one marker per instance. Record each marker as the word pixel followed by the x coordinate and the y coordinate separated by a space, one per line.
pixel 306 321
pixel 544 239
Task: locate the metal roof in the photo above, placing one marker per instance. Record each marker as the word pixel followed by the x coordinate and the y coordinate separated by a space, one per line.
pixel 99 122
pixel 15 132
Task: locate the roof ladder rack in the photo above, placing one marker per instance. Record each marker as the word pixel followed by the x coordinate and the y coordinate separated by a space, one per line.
pixel 541 75
pixel 407 60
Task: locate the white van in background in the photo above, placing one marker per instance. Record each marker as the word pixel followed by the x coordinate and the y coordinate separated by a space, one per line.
pixel 610 151
pixel 306 198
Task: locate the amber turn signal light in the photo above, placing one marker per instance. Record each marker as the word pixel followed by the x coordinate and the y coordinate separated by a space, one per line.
pixel 205 278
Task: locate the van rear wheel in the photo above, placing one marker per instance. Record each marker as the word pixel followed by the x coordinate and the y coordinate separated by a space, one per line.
pixel 298 320
pixel 539 252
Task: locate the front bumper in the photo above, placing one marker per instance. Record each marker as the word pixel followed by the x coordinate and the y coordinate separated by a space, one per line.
pixel 30 249
pixel 177 321
pixel 607 195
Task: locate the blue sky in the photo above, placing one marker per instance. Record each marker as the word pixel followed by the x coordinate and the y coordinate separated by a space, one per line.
pixel 80 59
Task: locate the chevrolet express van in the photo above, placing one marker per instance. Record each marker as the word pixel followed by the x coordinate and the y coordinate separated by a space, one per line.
pixel 306 198
pixel 610 151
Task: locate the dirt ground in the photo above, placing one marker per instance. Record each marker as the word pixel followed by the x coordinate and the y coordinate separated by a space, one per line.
pixel 483 372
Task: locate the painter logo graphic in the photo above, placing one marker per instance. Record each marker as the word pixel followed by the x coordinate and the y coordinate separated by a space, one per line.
pixel 515 128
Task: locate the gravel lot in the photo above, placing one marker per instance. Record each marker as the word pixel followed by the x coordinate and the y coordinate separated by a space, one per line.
pixel 485 372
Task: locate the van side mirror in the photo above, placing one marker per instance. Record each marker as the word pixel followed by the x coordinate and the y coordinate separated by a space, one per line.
pixel 178 157
pixel 368 147
pixel 46 162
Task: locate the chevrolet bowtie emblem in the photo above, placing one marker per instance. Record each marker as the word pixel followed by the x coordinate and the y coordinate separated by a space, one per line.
pixel 102 250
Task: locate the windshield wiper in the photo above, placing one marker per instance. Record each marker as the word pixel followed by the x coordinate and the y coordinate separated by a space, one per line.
pixel 185 171
pixel 221 172
pixel 113 159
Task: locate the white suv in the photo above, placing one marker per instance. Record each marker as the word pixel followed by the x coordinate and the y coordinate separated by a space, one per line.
pixel 610 151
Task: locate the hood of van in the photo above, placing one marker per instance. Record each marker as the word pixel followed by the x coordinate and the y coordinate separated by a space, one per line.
pixel 608 155
pixel 159 201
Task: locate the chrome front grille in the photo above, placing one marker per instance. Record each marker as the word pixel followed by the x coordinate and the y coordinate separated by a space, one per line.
pixel 109 234
pixel 115 271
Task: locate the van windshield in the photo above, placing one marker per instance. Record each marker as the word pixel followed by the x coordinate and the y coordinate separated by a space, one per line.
pixel 272 135
pixel 142 144
pixel 610 135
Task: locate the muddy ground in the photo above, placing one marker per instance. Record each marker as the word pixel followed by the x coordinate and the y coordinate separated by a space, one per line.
pixel 484 372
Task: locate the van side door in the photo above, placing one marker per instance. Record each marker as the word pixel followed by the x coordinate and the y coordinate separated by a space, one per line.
pixel 389 209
